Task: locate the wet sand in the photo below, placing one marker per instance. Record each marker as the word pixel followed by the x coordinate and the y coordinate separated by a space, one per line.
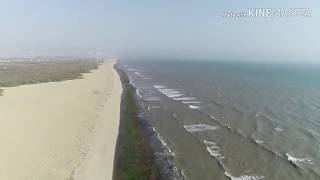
pixel 61 130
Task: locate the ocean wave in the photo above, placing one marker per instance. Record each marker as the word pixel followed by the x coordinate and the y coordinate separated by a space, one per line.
pixel 258 141
pixel 260 144
pixel 296 161
pixel 164 143
pixel 152 107
pixel 168 151
pixel 170 93
pixel 138 74
pixel 312 133
pixel 165 90
pixel 174 115
pixel 199 127
pixel 167 161
pixel 213 149
pixel 191 102
pixel 184 174
pixel 212 117
pixel 243 177
pixel 185 99
pixel 165 157
pixel 173 95
pixel 159 86
pixel 193 107
pixel 279 129
pixel 177 95
pixel 138 93
pixel 218 103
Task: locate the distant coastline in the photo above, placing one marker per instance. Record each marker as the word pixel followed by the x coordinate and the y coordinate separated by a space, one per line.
pixel 22 71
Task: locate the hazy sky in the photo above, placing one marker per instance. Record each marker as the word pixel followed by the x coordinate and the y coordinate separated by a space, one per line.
pixel 158 28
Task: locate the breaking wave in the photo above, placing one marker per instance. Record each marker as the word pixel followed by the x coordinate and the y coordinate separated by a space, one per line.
pixel 213 149
pixel 199 127
pixel 193 107
pixel 296 161
pixel 243 177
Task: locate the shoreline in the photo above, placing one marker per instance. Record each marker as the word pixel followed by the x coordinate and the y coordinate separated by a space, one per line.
pixel 134 157
pixel 61 130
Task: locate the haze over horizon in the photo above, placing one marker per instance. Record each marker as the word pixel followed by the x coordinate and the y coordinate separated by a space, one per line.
pixel 158 29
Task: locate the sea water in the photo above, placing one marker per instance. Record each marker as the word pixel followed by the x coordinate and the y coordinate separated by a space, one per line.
pixel 233 120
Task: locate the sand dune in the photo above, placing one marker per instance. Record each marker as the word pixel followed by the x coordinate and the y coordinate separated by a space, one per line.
pixel 61 130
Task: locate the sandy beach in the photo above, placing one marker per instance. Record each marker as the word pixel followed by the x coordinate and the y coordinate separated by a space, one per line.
pixel 61 130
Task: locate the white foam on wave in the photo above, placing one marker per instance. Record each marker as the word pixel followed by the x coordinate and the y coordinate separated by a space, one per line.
pixel 138 74
pixel 163 142
pixel 169 152
pixel 212 117
pixel 213 149
pixel 259 141
pixel 191 102
pixel 298 160
pixel 176 95
pixel 199 127
pixel 171 93
pixel 184 174
pixel 193 107
pixel 279 129
pixel 131 69
pixel 244 177
pixel 153 107
pixel 138 93
pixel 313 133
pixel 165 90
pixel 185 99
pixel 159 86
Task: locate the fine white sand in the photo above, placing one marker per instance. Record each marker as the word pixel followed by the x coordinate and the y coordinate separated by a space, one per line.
pixel 61 130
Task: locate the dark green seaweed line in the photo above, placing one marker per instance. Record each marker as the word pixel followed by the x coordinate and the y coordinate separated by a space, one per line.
pixel 133 158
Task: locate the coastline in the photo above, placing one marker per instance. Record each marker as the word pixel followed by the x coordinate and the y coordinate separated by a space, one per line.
pixel 134 157
pixel 61 130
